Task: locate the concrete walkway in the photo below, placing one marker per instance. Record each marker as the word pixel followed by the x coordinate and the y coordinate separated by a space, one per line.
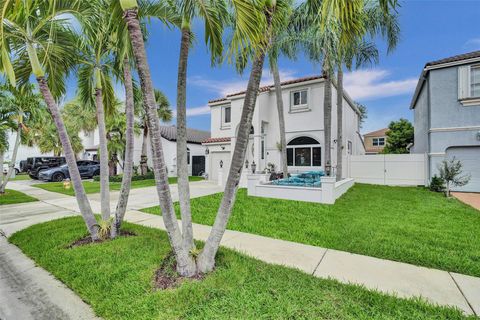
pixel 29 292
pixel 396 278
pixel 470 198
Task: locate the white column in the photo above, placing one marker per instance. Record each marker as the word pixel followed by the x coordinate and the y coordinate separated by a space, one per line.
pixel 328 189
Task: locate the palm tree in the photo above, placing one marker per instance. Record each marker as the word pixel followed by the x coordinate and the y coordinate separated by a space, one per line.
pixel 21 105
pixel 95 84
pixel 378 22
pixel 42 43
pixel 6 125
pixel 123 54
pixel 335 25
pixel 271 17
pixel 213 12
pixel 248 24
pixel 164 113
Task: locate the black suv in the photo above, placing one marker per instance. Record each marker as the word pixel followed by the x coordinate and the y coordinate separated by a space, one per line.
pixel 36 164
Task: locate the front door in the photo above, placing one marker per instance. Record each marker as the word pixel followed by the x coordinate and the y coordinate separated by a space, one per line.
pixel 198 165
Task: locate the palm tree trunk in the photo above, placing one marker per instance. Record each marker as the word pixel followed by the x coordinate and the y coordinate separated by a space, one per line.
pixel 2 177
pixel 11 165
pixel 327 117
pixel 182 164
pixel 80 194
pixel 281 117
pixel 206 260
pixel 128 162
pixel 339 123
pixel 185 262
pixel 143 156
pixel 104 163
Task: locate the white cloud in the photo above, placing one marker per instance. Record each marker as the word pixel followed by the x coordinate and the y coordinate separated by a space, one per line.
pixel 198 111
pixel 223 88
pixel 373 83
pixel 195 111
pixel 473 44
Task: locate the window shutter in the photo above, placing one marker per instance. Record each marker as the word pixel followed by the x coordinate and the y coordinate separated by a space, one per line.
pixel 463 82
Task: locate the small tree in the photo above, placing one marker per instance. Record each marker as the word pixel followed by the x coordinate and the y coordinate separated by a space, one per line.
pixel 450 171
pixel 399 136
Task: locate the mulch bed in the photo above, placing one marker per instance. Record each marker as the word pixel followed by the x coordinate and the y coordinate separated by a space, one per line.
pixel 88 239
pixel 166 277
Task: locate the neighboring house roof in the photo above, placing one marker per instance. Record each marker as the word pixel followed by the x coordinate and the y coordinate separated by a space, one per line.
pixel 459 57
pixel 193 135
pixel 378 133
pixel 443 63
pixel 215 140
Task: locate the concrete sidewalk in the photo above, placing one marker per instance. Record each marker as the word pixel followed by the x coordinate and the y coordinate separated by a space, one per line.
pixel 396 278
pixel 29 292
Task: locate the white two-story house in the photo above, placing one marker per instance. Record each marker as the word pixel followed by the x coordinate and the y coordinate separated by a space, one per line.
pixel 304 126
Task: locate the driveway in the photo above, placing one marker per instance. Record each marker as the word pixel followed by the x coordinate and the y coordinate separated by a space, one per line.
pixel 470 198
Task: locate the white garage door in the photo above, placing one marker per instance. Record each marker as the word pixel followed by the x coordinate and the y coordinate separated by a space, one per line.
pixel 215 158
pixel 470 158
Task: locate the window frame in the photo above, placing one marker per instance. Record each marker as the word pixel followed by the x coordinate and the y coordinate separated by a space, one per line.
pixel 382 139
pixel 224 124
pixel 302 106
pixel 304 146
pixel 470 78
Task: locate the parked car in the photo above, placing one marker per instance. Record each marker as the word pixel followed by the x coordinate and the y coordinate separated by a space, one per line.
pixel 87 169
pixel 16 168
pixel 36 164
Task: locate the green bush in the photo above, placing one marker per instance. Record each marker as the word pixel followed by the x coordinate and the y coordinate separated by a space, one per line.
pixel 118 178
pixel 437 184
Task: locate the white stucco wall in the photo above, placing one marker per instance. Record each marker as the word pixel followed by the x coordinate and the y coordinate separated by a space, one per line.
pixel 306 123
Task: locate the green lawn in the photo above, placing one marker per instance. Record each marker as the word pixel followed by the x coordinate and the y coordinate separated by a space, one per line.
pixel 22 176
pixel 94 186
pixel 12 196
pixel 115 278
pixel 405 224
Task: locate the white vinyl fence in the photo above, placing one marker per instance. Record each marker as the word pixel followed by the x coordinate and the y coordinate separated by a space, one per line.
pixel 388 169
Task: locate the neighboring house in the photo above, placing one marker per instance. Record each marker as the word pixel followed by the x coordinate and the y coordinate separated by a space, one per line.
pixel 375 141
pixel 446 108
pixel 196 152
pixel 304 123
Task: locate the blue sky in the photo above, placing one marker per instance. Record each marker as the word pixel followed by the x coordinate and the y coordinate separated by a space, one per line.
pixel 430 30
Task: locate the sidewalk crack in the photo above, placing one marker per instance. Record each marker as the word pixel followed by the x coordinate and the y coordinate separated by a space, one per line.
pixel 321 259
pixel 463 295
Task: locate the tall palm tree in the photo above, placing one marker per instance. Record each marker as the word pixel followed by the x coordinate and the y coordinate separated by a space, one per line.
pixel 123 54
pixel 248 24
pixel 213 13
pixel 21 105
pixel 95 83
pixel 359 51
pixel 271 17
pixel 38 36
pixel 164 113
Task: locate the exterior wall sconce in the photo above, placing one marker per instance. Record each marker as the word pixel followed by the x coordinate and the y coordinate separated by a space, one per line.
pixel 207 151
pixel 328 168
pixel 246 164
pixel 223 148
pixel 221 163
pixel 254 167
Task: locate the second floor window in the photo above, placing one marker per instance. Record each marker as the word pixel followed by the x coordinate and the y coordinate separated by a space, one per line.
pixel 227 115
pixel 299 100
pixel 378 142
pixel 475 81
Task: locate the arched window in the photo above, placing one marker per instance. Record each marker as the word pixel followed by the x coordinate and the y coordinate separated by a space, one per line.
pixel 304 152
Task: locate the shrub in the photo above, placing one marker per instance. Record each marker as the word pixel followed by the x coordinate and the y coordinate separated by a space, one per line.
pixel 437 184
pixel 118 178
pixel 450 172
